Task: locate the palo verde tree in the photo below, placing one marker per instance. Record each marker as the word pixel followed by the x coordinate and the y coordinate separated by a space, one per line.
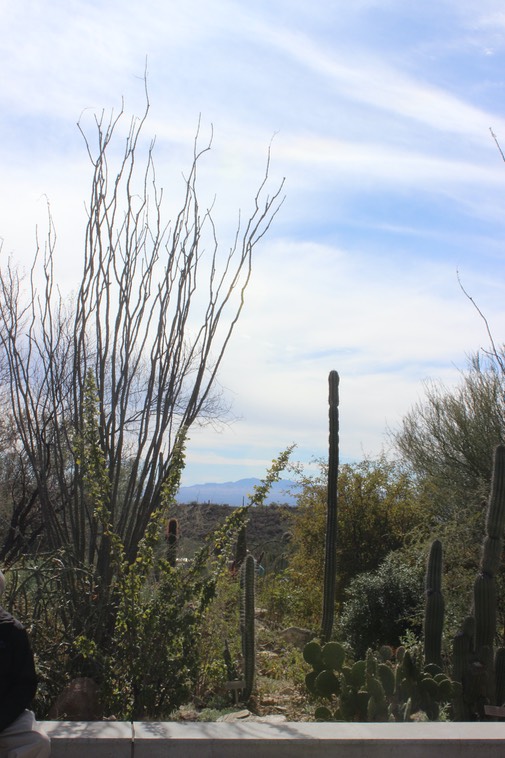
pixel 448 438
pixel 150 321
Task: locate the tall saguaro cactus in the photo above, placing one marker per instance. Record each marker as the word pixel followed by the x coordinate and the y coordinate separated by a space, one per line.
pixel 330 556
pixel 481 674
pixel 247 626
pixel 485 583
pixel 434 608
pixel 171 537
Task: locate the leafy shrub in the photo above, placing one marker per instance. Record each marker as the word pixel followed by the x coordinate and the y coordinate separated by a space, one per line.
pixel 382 605
pixel 151 661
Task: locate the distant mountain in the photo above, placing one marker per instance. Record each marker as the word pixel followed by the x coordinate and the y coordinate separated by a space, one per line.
pixel 236 493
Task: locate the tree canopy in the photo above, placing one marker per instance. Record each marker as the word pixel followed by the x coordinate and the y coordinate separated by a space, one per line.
pixel 448 438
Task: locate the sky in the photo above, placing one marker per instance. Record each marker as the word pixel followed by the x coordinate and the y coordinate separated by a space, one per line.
pixel 378 114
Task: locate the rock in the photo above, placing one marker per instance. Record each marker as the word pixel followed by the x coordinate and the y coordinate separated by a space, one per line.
pixel 79 701
pixel 261 613
pixel 272 718
pixel 236 716
pixel 296 636
pixel 245 715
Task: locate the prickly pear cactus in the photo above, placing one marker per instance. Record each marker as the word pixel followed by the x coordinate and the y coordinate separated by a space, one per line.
pixel 383 687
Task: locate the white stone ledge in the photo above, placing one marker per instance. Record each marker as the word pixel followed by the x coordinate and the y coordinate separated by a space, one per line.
pixel 286 740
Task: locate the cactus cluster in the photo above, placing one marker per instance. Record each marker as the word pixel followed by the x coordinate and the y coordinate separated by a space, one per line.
pixel 389 686
pixel 386 686
pixel 396 688
pixel 476 665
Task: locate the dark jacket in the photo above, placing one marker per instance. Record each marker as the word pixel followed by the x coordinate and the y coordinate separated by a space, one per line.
pixel 18 681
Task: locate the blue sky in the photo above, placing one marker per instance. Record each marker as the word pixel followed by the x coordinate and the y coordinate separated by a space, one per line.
pixel 381 114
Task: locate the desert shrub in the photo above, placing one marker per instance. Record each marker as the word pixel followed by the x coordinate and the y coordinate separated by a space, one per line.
pixel 379 504
pixel 150 664
pixel 381 605
pixel 220 628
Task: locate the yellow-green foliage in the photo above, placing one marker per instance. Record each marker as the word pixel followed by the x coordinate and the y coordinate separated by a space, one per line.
pixel 378 507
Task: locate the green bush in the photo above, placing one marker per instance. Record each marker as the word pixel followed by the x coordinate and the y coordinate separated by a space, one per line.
pixel 381 606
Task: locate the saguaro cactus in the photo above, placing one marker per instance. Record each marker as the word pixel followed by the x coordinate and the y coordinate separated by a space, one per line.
pixel 171 536
pixel 485 583
pixel 241 548
pixel 330 555
pixel 247 625
pixel 434 607
pixel 483 678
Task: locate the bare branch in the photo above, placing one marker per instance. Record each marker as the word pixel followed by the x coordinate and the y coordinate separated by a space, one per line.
pixel 152 317
pixel 493 135
pixel 497 355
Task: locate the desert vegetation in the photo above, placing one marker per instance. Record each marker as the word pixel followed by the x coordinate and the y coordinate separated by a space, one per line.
pixel 378 596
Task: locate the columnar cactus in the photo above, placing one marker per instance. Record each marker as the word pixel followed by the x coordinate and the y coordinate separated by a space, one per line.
pixel 330 556
pixel 395 690
pixel 499 669
pixel 241 547
pixel 485 583
pixel 481 674
pixel 434 607
pixel 171 536
pixel 247 625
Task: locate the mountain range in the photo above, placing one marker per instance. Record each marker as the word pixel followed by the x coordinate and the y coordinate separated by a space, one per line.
pixel 237 493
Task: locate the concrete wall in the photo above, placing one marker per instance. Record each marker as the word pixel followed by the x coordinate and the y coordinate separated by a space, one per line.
pixel 286 740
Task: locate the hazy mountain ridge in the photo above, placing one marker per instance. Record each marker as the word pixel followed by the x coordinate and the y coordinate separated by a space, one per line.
pixel 237 493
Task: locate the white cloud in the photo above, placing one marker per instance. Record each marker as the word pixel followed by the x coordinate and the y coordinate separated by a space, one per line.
pixel 383 330
pixel 393 183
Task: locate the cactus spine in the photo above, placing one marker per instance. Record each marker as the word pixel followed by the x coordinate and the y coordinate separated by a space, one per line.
pixel 330 556
pixel 247 627
pixel 434 608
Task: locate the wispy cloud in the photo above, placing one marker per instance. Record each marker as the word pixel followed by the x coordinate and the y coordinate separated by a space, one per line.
pixel 381 112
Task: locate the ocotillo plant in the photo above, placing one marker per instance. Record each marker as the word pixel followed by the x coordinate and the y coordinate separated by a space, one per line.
pixel 247 626
pixel 434 607
pixel 330 555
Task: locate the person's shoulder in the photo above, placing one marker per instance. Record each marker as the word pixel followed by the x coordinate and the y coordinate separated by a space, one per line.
pixel 7 621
